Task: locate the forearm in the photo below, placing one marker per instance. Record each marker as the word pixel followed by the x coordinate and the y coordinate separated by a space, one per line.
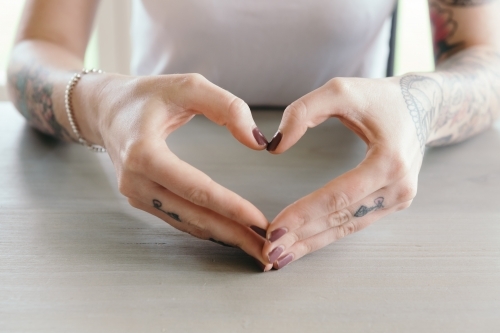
pixel 459 100
pixel 38 73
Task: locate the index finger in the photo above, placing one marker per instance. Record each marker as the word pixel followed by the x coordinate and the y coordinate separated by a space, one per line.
pixel 193 185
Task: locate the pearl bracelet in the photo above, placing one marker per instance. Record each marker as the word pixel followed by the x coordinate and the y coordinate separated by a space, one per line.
pixel 69 110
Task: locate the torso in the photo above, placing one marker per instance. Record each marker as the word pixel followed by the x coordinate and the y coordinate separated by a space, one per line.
pixel 266 52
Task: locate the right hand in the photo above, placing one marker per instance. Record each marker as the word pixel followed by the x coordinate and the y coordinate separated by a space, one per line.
pixel 134 115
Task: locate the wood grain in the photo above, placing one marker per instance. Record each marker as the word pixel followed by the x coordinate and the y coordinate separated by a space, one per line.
pixel 74 257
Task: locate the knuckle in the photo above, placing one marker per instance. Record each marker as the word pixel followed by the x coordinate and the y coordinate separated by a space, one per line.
pixel 295 236
pixel 199 195
pixel 237 108
pixel 399 168
pixel 404 205
pixel 338 218
pixel 193 80
pixel 300 217
pixel 337 201
pixel 134 156
pixel 134 203
pixel 346 229
pixel 305 248
pixel 338 85
pixel 406 192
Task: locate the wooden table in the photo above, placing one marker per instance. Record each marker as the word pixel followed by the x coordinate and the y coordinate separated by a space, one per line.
pixel 74 257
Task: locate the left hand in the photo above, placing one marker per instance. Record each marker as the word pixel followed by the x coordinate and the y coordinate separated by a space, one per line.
pixel 383 183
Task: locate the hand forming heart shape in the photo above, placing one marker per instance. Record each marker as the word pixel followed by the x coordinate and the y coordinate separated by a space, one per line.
pixel 157 181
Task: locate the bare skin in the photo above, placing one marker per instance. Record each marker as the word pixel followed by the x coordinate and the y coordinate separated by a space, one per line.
pixel 397 118
pixel 132 117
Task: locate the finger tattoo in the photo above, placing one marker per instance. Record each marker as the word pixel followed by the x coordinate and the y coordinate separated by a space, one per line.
pixel 363 210
pixel 157 204
pixel 219 242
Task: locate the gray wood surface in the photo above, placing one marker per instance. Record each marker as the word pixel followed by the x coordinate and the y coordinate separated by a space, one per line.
pixel 74 257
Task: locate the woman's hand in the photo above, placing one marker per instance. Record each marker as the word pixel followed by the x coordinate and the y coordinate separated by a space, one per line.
pixel 384 182
pixel 132 120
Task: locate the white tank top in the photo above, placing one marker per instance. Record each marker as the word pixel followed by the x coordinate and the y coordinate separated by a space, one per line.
pixel 267 52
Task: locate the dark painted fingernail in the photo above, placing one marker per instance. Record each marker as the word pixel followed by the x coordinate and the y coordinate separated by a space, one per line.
pixel 259 231
pixel 274 142
pixel 275 254
pixel 259 137
pixel 282 262
pixel 277 234
pixel 261 265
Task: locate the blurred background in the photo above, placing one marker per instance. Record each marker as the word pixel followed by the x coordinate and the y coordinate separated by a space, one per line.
pixel 109 47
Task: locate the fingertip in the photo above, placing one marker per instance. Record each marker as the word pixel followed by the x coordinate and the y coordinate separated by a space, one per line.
pixel 273 145
pixel 275 254
pixel 260 138
pixel 282 141
pixel 263 267
pixel 283 261
pixel 276 234
pixel 239 121
pixel 260 265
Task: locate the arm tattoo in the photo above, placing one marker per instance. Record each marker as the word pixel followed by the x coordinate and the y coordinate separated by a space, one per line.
pixel 157 204
pixel 471 86
pixel 461 100
pixel 444 26
pixel 422 106
pixel 363 210
pixel 32 93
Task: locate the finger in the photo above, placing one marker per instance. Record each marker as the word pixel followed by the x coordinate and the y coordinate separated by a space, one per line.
pixel 199 222
pixel 184 180
pixel 345 190
pixel 140 187
pixel 189 228
pixel 307 112
pixel 375 202
pixel 309 245
pixel 220 106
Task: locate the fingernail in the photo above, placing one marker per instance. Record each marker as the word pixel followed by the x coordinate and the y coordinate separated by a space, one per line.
pixel 259 137
pixel 261 265
pixel 274 142
pixel 275 254
pixel 259 231
pixel 277 234
pixel 282 262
